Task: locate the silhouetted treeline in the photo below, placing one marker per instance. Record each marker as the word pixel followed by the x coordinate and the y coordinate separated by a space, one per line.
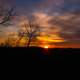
pixel 52 55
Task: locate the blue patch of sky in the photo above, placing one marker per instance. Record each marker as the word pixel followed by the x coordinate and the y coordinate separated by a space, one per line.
pixel 71 5
pixel 27 3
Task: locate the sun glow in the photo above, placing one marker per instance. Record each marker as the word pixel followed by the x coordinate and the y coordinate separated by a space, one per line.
pixel 46 47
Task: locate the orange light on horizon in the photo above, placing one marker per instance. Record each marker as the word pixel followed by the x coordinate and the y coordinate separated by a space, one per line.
pixel 46 47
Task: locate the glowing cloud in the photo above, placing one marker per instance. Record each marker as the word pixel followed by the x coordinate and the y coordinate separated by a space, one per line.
pixel 53 39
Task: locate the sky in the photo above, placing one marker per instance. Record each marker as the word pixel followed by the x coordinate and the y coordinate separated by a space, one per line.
pixel 49 5
pixel 60 19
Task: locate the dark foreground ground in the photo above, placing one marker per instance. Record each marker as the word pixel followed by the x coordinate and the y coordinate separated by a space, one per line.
pixel 56 55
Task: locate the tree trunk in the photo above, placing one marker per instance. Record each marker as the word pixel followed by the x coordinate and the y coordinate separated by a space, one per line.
pixel 17 43
pixel 28 43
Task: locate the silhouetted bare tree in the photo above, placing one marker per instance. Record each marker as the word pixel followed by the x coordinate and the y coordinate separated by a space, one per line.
pixel 6 43
pixel 6 11
pixel 31 31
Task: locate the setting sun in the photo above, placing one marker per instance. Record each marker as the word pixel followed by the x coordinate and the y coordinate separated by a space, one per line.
pixel 46 47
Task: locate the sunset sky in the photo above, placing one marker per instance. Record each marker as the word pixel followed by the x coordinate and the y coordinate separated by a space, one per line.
pixel 60 20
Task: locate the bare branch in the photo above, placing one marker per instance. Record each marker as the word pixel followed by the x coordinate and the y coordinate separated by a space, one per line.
pixel 32 31
pixel 6 13
pixel 25 25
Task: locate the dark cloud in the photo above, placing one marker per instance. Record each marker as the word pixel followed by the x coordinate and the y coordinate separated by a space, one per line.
pixel 70 26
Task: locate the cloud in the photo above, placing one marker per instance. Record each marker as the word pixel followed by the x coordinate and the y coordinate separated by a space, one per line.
pixel 65 27
pixel 47 29
pixel 44 20
pixel 70 26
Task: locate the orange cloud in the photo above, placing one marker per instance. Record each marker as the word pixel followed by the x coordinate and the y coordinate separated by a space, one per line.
pixel 54 38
